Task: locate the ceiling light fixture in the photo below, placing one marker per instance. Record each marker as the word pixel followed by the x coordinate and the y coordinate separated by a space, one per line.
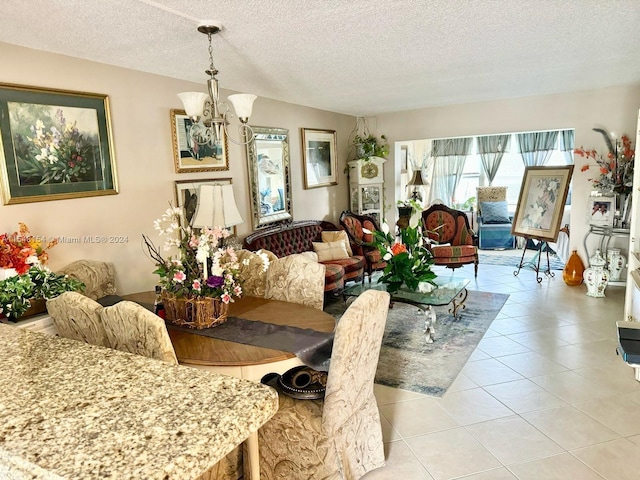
pixel 208 115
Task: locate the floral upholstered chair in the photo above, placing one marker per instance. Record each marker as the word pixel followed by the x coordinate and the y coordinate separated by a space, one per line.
pixel 296 279
pixel 353 225
pixel 98 277
pixel 77 316
pixel 339 437
pixel 451 241
pixel 132 328
pixel 253 275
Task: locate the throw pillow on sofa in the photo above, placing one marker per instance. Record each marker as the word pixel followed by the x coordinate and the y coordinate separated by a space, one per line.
pixel 338 236
pixel 328 251
pixel 494 212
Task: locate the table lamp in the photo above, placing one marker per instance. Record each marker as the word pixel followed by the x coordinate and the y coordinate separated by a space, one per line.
pixel 416 182
pixel 216 207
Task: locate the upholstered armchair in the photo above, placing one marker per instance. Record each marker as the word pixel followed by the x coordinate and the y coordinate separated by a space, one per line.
pixel 450 240
pixel 77 316
pixel 494 222
pixel 353 224
pixel 339 437
pixel 252 274
pixel 296 279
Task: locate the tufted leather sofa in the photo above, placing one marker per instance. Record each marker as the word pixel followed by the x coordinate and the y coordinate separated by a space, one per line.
pixel 298 237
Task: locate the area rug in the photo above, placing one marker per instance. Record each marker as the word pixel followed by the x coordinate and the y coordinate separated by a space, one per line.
pixel 513 261
pixel 408 362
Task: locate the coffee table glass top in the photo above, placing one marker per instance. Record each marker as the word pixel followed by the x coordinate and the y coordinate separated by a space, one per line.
pixel 446 291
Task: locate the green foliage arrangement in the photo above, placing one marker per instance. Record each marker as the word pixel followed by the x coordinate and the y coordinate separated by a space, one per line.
pixel 371 146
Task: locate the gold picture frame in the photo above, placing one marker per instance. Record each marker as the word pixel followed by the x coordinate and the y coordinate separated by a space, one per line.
pixel 541 202
pixel 188 157
pixel 54 145
pixel 319 157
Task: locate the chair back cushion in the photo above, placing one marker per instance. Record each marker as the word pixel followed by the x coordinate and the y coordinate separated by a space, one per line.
pixel 98 277
pixel 252 273
pixel 77 317
pixel 354 359
pixel 296 279
pixel 446 225
pixel 132 328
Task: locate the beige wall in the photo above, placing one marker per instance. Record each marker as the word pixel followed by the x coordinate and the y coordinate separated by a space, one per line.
pixel 140 105
pixel 614 109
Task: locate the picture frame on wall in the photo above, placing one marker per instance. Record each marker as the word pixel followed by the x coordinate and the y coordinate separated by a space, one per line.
pixel 601 210
pixel 54 145
pixel 319 157
pixel 186 194
pixel 188 155
pixel 541 202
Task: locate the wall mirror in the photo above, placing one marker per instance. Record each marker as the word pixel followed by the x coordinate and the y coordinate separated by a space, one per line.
pixel 269 179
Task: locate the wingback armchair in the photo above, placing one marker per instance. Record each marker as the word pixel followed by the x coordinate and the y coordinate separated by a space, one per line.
pixel 353 224
pixel 451 242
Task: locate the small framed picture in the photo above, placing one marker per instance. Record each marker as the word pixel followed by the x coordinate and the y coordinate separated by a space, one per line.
pixel 320 158
pixel 188 155
pixel 187 192
pixel 600 211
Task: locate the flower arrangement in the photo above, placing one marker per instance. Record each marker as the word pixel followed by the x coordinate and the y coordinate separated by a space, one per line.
pixel 20 250
pixel 615 169
pixel 408 260
pixel 18 292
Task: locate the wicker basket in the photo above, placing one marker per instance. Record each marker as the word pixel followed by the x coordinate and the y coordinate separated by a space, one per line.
pixel 196 312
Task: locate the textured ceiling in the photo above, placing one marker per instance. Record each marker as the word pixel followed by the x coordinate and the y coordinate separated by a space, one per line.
pixel 359 57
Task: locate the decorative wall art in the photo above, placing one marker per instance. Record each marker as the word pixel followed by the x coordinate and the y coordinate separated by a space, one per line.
pixel 54 144
pixel 541 202
pixel 320 158
pixel 188 155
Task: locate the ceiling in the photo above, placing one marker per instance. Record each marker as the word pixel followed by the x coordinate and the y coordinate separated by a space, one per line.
pixel 358 57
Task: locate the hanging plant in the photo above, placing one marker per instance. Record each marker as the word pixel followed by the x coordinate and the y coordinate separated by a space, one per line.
pixel 371 146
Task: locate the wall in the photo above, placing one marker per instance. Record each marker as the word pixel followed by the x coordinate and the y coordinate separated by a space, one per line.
pixel 613 109
pixel 140 105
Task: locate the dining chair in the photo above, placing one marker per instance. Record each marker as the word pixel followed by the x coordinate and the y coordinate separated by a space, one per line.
pixel 252 273
pixel 340 436
pixel 353 224
pixel 132 328
pixel 98 277
pixel 77 317
pixel 296 279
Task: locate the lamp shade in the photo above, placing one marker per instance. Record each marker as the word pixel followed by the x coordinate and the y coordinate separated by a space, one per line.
pixel 193 103
pixel 216 207
pixel 417 178
pixel 242 104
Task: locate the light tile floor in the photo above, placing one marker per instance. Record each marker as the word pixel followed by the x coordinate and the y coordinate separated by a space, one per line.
pixel 544 395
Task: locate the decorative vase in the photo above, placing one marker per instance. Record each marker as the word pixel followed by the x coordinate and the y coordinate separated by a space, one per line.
pixel 195 312
pixel 596 277
pixel 615 264
pixel 574 270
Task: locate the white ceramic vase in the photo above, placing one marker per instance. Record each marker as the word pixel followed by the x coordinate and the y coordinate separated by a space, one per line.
pixel 596 277
pixel 615 264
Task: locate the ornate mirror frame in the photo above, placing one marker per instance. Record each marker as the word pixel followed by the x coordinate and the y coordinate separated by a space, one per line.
pixel 269 177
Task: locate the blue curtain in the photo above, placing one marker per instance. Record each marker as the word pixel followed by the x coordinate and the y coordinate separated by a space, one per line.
pixel 567 144
pixel 536 147
pixel 491 149
pixel 450 156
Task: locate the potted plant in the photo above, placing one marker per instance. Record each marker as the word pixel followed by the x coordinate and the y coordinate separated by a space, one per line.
pixel 367 146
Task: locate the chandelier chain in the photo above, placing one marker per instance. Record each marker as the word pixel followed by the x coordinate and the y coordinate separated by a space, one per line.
pixel 212 68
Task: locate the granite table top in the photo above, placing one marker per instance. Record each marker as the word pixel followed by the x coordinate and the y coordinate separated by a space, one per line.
pixel 79 411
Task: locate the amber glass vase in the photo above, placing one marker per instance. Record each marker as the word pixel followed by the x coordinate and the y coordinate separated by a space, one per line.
pixel 573 270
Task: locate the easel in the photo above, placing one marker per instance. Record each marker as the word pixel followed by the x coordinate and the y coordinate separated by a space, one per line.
pixel 534 263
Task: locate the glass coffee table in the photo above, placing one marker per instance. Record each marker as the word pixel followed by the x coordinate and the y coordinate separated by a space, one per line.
pixel 448 291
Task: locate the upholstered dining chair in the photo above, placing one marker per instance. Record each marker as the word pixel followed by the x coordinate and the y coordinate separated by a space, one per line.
pixel 132 328
pixel 450 240
pixel 77 317
pixel 296 279
pixel 494 222
pixel 353 224
pixel 98 277
pixel 252 273
pixel 340 436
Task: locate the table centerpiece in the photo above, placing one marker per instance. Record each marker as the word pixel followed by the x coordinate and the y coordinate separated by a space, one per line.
pixel 199 280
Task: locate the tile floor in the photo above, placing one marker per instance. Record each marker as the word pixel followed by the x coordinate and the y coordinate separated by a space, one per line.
pixel 543 396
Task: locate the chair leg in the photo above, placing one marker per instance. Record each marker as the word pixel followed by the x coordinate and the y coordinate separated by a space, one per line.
pixel 475 267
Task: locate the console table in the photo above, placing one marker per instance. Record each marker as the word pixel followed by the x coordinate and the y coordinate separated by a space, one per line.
pixel 606 234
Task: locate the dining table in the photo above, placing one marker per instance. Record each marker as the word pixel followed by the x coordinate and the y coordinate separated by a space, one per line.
pixel 241 360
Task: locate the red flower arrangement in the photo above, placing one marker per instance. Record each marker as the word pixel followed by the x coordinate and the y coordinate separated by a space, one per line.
pixel 20 250
pixel 616 169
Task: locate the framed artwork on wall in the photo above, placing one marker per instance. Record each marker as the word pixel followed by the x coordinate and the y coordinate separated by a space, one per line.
pixel 54 145
pixel 188 155
pixel 319 157
pixel 601 210
pixel 541 202
pixel 186 194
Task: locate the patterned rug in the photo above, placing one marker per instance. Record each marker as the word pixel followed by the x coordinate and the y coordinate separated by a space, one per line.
pixel 407 362
pixel 513 261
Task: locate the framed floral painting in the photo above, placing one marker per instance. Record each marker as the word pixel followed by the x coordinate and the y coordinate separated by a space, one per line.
pixel 543 195
pixel 54 144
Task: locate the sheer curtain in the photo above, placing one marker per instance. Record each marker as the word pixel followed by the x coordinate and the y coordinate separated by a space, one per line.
pixel 491 149
pixel 450 156
pixel 536 147
pixel 567 144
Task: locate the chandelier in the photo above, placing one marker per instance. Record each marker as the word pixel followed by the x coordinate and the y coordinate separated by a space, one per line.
pixel 209 116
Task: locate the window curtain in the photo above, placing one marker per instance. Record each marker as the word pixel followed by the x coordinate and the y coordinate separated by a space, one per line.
pixel 567 144
pixel 536 147
pixel 450 156
pixel 491 149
